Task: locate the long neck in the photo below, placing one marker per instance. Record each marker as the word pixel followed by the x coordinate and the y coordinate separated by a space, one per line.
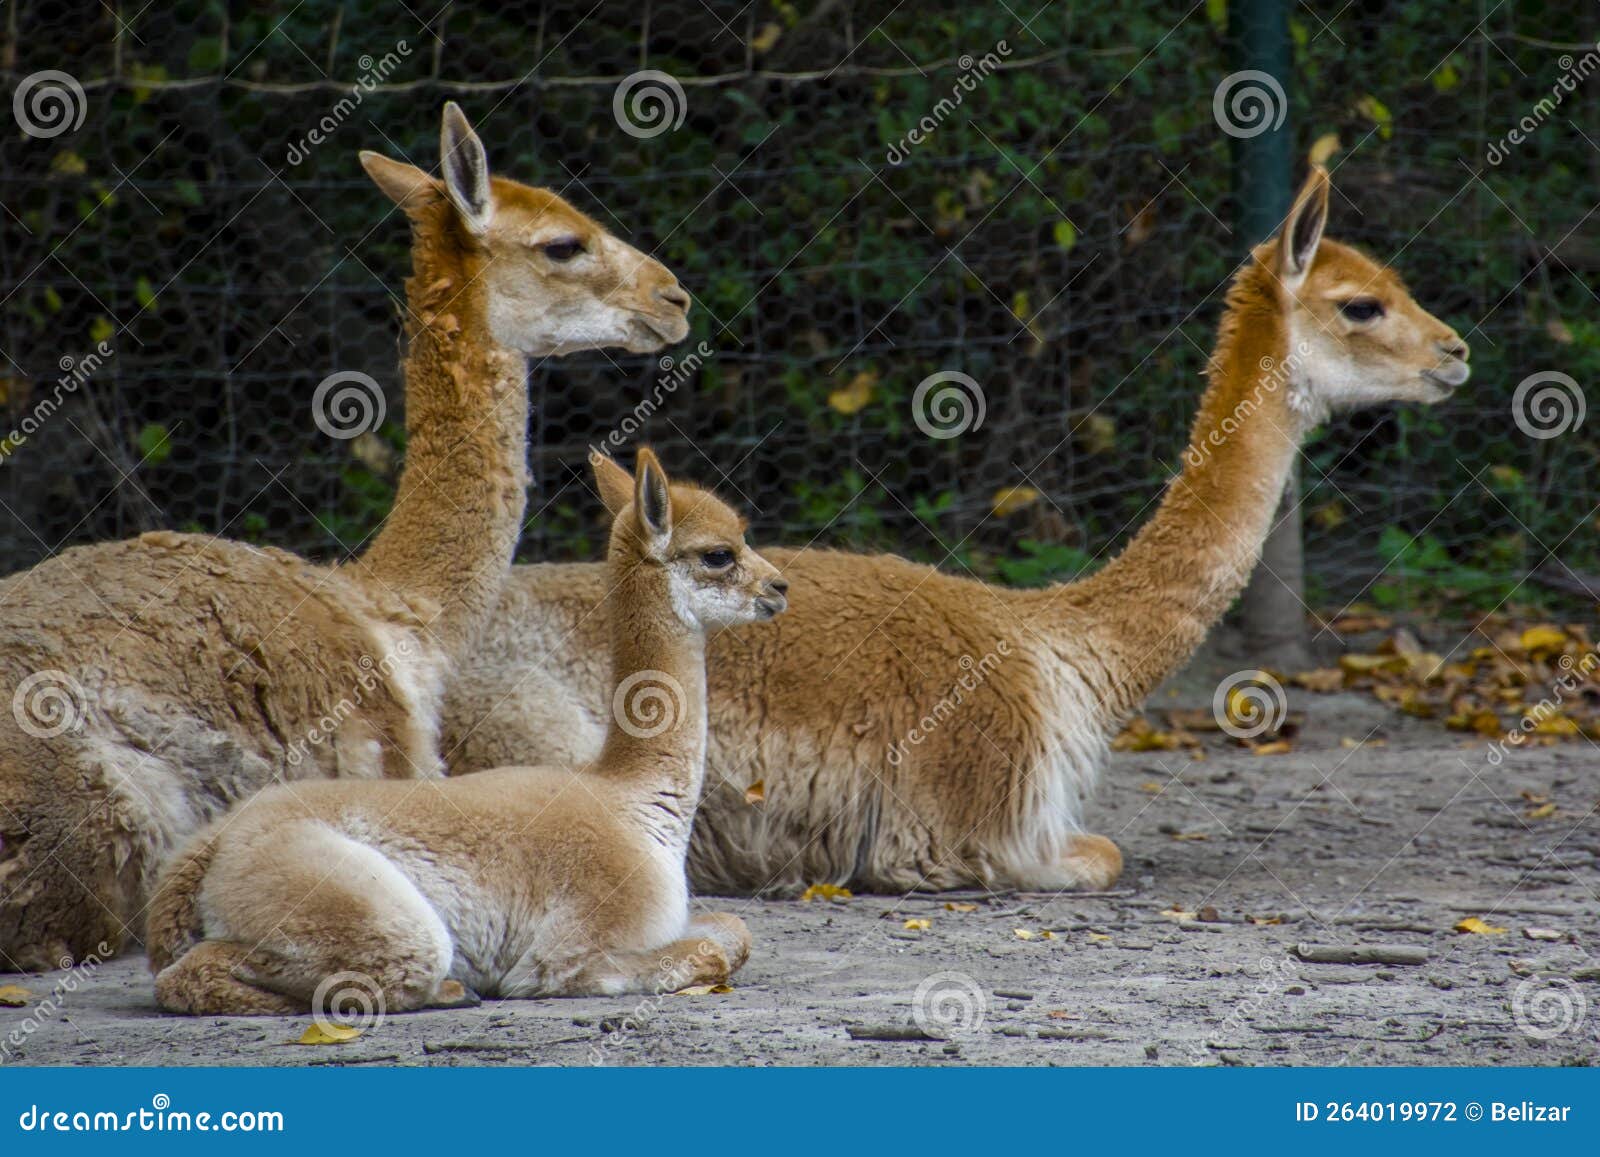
pixel 1147 611
pixel 450 535
pixel 657 738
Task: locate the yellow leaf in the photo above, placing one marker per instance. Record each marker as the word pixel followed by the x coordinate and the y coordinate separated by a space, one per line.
pixel 1473 924
pixel 767 38
pixel 1098 432
pixel 856 394
pixel 68 164
pixel 826 892
pixel 1543 638
pixel 1543 812
pixel 1150 787
pixel 918 925
pixel 1177 913
pixel 1276 747
pixel 1323 679
pixel 329 1034
pixel 704 990
pixel 756 792
pixel 1022 933
pixel 1325 146
pixel 1266 919
pixel 15 996
pixel 1010 499
pixel 1378 113
pixel 1190 836
pixel 1098 937
pixel 960 907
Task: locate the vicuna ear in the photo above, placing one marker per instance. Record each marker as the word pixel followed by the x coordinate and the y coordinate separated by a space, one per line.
pixel 405 185
pixel 466 170
pixel 615 483
pixel 651 497
pixel 1302 232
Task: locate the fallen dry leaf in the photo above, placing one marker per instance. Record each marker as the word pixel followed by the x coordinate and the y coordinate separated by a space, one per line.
pixel 1473 924
pixel 1029 934
pixel 704 990
pixel 918 925
pixel 15 996
pixel 1543 812
pixel 1177 913
pixel 1266 919
pixel 1010 499
pixel 856 394
pixel 957 907
pixel 1276 747
pixel 321 1033
pixel 826 892
pixel 1323 679
pixel 1190 836
pixel 1098 937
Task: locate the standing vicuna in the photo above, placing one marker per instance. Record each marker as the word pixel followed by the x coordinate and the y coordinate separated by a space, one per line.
pixel 154 682
pixel 523 881
pixel 913 729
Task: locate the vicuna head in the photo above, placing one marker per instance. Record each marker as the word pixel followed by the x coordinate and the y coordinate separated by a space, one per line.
pixel 1357 337
pixel 691 538
pixel 553 280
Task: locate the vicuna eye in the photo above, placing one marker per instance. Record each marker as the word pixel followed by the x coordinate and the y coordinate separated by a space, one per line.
pixel 1362 309
pixel 564 250
pixel 718 559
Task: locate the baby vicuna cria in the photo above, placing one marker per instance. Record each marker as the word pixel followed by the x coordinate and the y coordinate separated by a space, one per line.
pixel 517 882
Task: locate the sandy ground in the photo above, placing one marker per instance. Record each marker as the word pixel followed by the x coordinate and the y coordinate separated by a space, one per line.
pixel 1370 847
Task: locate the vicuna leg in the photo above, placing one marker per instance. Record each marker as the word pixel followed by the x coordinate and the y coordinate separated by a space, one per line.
pixel 717 945
pixel 205 981
pixel 319 920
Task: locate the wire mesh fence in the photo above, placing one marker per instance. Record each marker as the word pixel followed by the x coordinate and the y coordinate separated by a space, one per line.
pixel 1028 209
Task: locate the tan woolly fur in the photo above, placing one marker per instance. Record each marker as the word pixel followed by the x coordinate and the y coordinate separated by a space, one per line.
pixel 155 682
pixel 520 881
pixel 912 729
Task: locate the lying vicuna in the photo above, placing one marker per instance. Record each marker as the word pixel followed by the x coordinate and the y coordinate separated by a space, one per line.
pixel 1023 688
pixel 147 685
pixel 523 881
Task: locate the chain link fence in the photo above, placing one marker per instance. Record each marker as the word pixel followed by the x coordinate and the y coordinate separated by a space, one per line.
pixel 1024 213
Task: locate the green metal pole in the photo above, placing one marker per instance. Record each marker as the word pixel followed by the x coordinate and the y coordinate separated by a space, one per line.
pixel 1273 605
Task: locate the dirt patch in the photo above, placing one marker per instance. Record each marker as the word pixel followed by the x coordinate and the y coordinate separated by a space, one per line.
pixel 1333 846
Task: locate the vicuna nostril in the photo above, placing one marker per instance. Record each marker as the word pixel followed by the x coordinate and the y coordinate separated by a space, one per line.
pixel 1456 348
pixel 778 586
pixel 674 295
